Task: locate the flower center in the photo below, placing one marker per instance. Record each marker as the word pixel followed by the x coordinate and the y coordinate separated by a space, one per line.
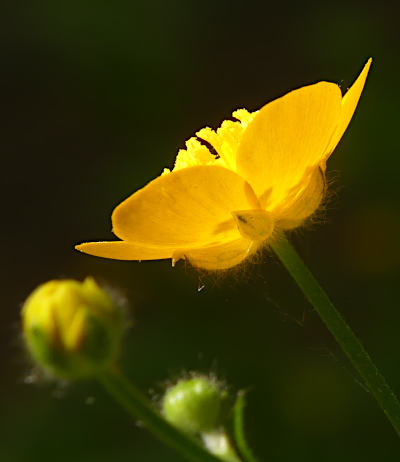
pixel 256 225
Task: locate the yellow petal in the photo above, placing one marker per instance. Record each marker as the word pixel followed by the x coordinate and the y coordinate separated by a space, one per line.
pixel 218 257
pixel 122 250
pixel 349 104
pixel 303 202
pixel 214 257
pixel 287 137
pixel 189 207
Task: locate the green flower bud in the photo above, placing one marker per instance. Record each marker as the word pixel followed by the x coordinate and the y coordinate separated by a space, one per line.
pixel 72 329
pixel 195 405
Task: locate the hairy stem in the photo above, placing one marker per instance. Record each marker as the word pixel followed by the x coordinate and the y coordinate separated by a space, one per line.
pixel 345 337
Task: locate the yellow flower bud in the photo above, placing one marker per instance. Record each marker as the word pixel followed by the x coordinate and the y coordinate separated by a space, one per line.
pixel 72 329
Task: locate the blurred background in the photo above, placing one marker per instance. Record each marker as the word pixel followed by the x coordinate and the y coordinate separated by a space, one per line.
pixel 97 97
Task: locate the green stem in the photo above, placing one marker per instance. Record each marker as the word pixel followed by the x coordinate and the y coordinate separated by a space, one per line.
pixel 133 400
pixel 238 428
pixel 346 338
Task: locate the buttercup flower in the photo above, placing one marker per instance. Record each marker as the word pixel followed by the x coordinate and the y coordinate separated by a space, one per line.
pixel 72 329
pixel 268 175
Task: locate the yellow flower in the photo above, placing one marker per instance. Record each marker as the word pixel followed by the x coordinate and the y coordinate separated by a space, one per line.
pixel 268 175
pixel 72 329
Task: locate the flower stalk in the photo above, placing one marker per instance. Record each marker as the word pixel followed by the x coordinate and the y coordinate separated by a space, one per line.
pixel 338 327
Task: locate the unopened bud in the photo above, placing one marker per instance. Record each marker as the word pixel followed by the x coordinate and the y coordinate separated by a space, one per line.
pixel 72 329
pixel 194 405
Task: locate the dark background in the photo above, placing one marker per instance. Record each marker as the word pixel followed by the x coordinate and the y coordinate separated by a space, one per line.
pixel 96 98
